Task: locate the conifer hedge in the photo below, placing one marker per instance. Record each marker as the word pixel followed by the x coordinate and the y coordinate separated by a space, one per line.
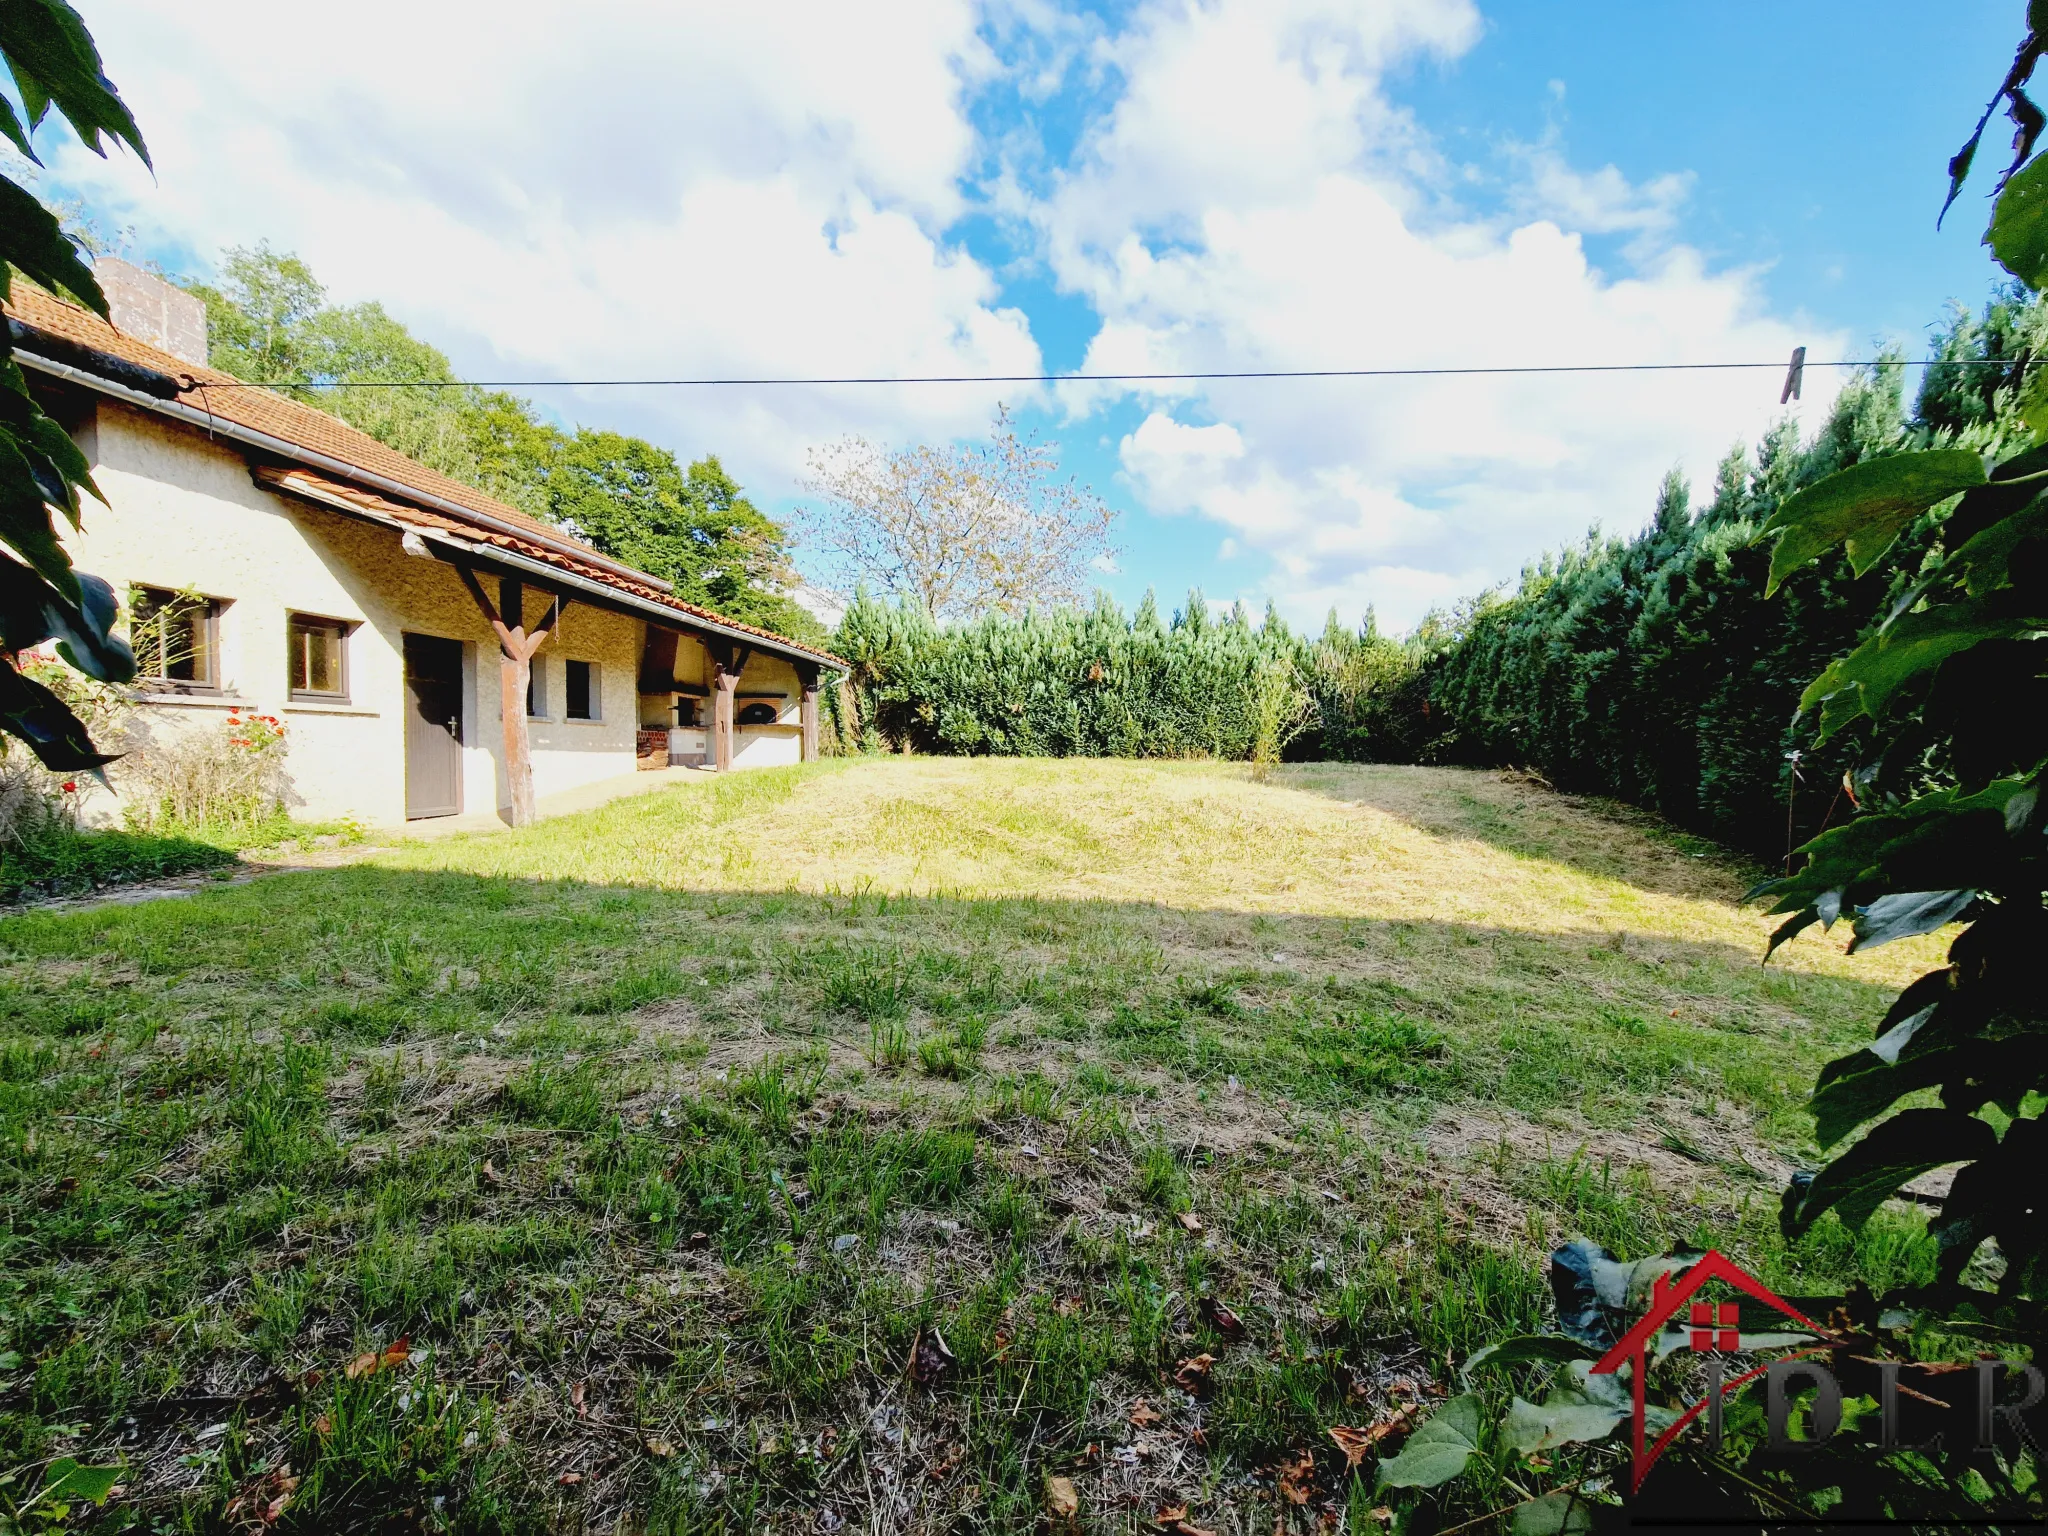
pixel 1651 669
pixel 1095 683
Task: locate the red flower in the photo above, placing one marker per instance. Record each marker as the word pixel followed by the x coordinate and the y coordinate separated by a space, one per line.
pixel 71 786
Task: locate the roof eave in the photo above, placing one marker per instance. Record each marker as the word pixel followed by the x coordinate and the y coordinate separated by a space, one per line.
pixel 283 448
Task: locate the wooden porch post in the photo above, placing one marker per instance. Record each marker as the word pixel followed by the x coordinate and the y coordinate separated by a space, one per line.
pixel 725 680
pixel 807 674
pixel 516 650
pixel 728 664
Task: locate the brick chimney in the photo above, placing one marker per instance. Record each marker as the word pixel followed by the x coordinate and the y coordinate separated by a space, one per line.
pixel 149 309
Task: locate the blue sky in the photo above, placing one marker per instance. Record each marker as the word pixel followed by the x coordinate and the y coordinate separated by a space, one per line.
pixel 939 186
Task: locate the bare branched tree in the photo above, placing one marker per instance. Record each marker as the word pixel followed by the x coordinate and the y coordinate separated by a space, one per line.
pixel 966 528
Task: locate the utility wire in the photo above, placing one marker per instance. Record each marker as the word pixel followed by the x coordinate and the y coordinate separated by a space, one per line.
pixel 1107 378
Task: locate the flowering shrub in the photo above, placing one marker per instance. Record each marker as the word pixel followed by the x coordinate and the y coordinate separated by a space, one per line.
pixel 232 776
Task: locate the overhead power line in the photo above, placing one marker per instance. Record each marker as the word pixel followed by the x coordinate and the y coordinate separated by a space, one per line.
pixel 1112 378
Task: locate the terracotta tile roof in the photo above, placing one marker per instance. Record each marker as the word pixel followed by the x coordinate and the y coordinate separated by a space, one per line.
pixel 326 489
pixel 223 395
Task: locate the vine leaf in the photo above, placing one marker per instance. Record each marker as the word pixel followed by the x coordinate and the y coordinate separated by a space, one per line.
pixel 1438 1451
pixel 2018 235
pixel 1870 1173
pixel 1582 1407
pixel 1903 914
pixel 1564 1513
pixel 1866 506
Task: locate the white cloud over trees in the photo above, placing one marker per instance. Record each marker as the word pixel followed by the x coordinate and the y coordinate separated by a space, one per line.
pixel 700 189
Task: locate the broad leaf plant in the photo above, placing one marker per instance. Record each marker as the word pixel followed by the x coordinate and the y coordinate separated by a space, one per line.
pixel 1951 828
pixel 43 598
pixel 1952 816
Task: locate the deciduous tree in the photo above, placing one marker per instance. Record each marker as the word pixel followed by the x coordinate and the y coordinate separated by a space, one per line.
pixel 965 529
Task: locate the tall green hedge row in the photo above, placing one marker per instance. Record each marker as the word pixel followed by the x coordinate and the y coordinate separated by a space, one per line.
pixel 1650 669
pixel 1098 683
pixel 1653 670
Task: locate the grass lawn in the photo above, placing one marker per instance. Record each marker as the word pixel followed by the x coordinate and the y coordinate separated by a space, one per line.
pixel 857 1146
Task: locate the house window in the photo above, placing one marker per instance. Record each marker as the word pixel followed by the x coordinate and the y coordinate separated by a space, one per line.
pixel 580 690
pixel 177 638
pixel 537 691
pixel 318 659
pixel 759 714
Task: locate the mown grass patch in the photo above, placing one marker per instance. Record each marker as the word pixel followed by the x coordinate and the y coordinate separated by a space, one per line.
pixel 670 1171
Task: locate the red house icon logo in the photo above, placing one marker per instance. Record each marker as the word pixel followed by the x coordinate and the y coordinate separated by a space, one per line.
pixel 1714 1330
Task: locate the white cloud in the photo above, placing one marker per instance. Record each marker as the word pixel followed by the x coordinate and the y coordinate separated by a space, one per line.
pixel 702 189
pixel 596 191
pixel 1254 201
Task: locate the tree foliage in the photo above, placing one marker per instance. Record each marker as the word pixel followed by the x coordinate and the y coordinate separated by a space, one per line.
pixel 42 598
pixel 963 530
pixel 269 322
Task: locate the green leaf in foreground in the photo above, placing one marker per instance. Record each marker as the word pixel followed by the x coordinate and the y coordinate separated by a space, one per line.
pixel 1870 1173
pixel 1866 506
pixel 1551 1348
pixel 1438 1451
pixel 1564 1513
pixel 66 1479
pixel 2018 235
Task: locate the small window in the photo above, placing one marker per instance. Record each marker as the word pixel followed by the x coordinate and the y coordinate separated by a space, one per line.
pixel 759 714
pixel 686 711
pixel 537 690
pixel 318 663
pixel 176 636
pixel 580 690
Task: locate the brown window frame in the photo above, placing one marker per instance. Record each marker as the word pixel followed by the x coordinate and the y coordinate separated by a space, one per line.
pixel 148 601
pixel 293 620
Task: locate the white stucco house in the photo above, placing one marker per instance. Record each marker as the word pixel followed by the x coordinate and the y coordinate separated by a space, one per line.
pixel 385 613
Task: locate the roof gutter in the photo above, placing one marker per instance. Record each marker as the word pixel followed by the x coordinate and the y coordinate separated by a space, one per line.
pixel 446 546
pixel 146 399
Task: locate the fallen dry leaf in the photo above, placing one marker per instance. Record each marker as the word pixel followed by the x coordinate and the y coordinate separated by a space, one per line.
pixel 1384 1514
pixel 1190 1221
pixel 930 1359
pixel 323 1425
pixel 1062 1503
pixel 263 1500
pixel 1354 1443
pixel 700 1240
pixel 1192 1375
pixel 1144 1415
pixel 1173 1519
pixel 395 1353
pixel 576 1394
pixel 1220 1317
pixel 1297 1477
pixel 491 1174
pixel 661 1450
pixel 1067 1306
pixel 570 1479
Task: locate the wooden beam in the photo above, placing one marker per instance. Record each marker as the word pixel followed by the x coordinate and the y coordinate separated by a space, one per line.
pixel 726 681
pixel 807 714
pixel 516 649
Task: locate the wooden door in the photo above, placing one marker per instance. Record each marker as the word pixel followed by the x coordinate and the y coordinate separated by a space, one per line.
pixel 433 726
